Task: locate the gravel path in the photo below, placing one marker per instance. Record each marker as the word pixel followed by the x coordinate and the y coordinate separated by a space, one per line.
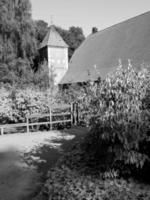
pixel 19 179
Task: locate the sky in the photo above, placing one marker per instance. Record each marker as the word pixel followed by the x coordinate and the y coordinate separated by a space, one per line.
pixel 87 13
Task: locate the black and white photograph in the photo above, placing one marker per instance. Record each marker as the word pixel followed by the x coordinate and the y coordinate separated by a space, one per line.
pixel 74 100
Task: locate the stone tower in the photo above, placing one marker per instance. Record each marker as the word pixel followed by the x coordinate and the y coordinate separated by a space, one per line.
pixel 54 49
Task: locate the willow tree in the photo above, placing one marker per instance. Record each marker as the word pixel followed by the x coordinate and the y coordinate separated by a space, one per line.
pixel 17 40
pixel 17 31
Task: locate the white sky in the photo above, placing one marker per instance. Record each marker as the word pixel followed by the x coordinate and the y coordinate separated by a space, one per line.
pixel 88 13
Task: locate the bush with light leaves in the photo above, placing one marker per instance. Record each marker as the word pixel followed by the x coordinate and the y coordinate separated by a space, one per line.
pixel 6 106
pixel 29 101
pixel 66 184
pixel 15 105
pixel 118 116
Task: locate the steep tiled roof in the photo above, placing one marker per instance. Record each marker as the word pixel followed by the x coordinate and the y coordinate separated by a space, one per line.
pixel 100 52
pixel 53 38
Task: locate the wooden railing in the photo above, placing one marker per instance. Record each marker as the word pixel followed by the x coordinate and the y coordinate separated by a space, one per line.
pixel 65 111
pixel 8 126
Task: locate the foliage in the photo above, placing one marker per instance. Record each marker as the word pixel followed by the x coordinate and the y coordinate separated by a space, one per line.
pixel 79 93
pixel 29 102
pixel 117 113
pixel 17 31
pixel 19 74
pixel 41 79
pixel 73 37
pixel 26 93
pixel 16 104
pixel 118 119
pixel 6 108
pixel 18 45
pixel 15 72
pixel 41 29
pixel 64 183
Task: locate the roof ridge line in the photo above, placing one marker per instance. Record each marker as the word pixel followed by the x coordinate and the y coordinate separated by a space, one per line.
pixel 126 20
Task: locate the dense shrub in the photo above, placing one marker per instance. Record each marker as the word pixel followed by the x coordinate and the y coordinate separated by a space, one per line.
pixel 6 106
pixel 16 104
pixel 77 93
pixel 118 116
pixel 117 111
pixel 29 101
pixel 64 183
pixel 19 74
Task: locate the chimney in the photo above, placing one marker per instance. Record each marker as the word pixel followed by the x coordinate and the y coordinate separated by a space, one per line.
pixel 94 30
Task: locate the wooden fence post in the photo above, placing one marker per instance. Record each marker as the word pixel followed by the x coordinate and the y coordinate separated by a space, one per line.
pixel 50 119
pixel 71 113
pixel 2 131
pixel 28 130
pixel 75 114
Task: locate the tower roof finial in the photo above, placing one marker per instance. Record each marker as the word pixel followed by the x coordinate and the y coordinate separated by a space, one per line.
pixel 51 20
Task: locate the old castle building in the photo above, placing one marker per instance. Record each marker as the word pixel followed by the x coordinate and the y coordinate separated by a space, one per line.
pixel 54 49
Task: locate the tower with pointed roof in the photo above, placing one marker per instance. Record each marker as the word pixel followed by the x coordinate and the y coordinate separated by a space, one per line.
pixel 54 49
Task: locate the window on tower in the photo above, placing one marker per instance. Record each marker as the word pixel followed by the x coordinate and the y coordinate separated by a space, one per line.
pixel 52 60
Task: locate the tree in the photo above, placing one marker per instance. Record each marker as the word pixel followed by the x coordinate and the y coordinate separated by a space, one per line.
pixel 41 76
pixel 18 45
pixel 76 38
pixel 17 31
pixel 73 37
pixel 41 29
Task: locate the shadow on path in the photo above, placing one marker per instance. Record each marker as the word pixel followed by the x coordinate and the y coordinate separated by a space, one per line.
pixel 48 154
pixel 18 180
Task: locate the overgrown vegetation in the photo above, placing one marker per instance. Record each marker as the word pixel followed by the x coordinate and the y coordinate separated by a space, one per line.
pixel 119 119
pixel 117 113
pixel 117 145
pixel 16 104
pixel 64 183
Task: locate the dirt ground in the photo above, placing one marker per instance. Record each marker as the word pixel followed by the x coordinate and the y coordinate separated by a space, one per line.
pixel 23 157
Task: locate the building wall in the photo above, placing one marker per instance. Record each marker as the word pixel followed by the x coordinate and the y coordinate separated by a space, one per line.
pixel 58 59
